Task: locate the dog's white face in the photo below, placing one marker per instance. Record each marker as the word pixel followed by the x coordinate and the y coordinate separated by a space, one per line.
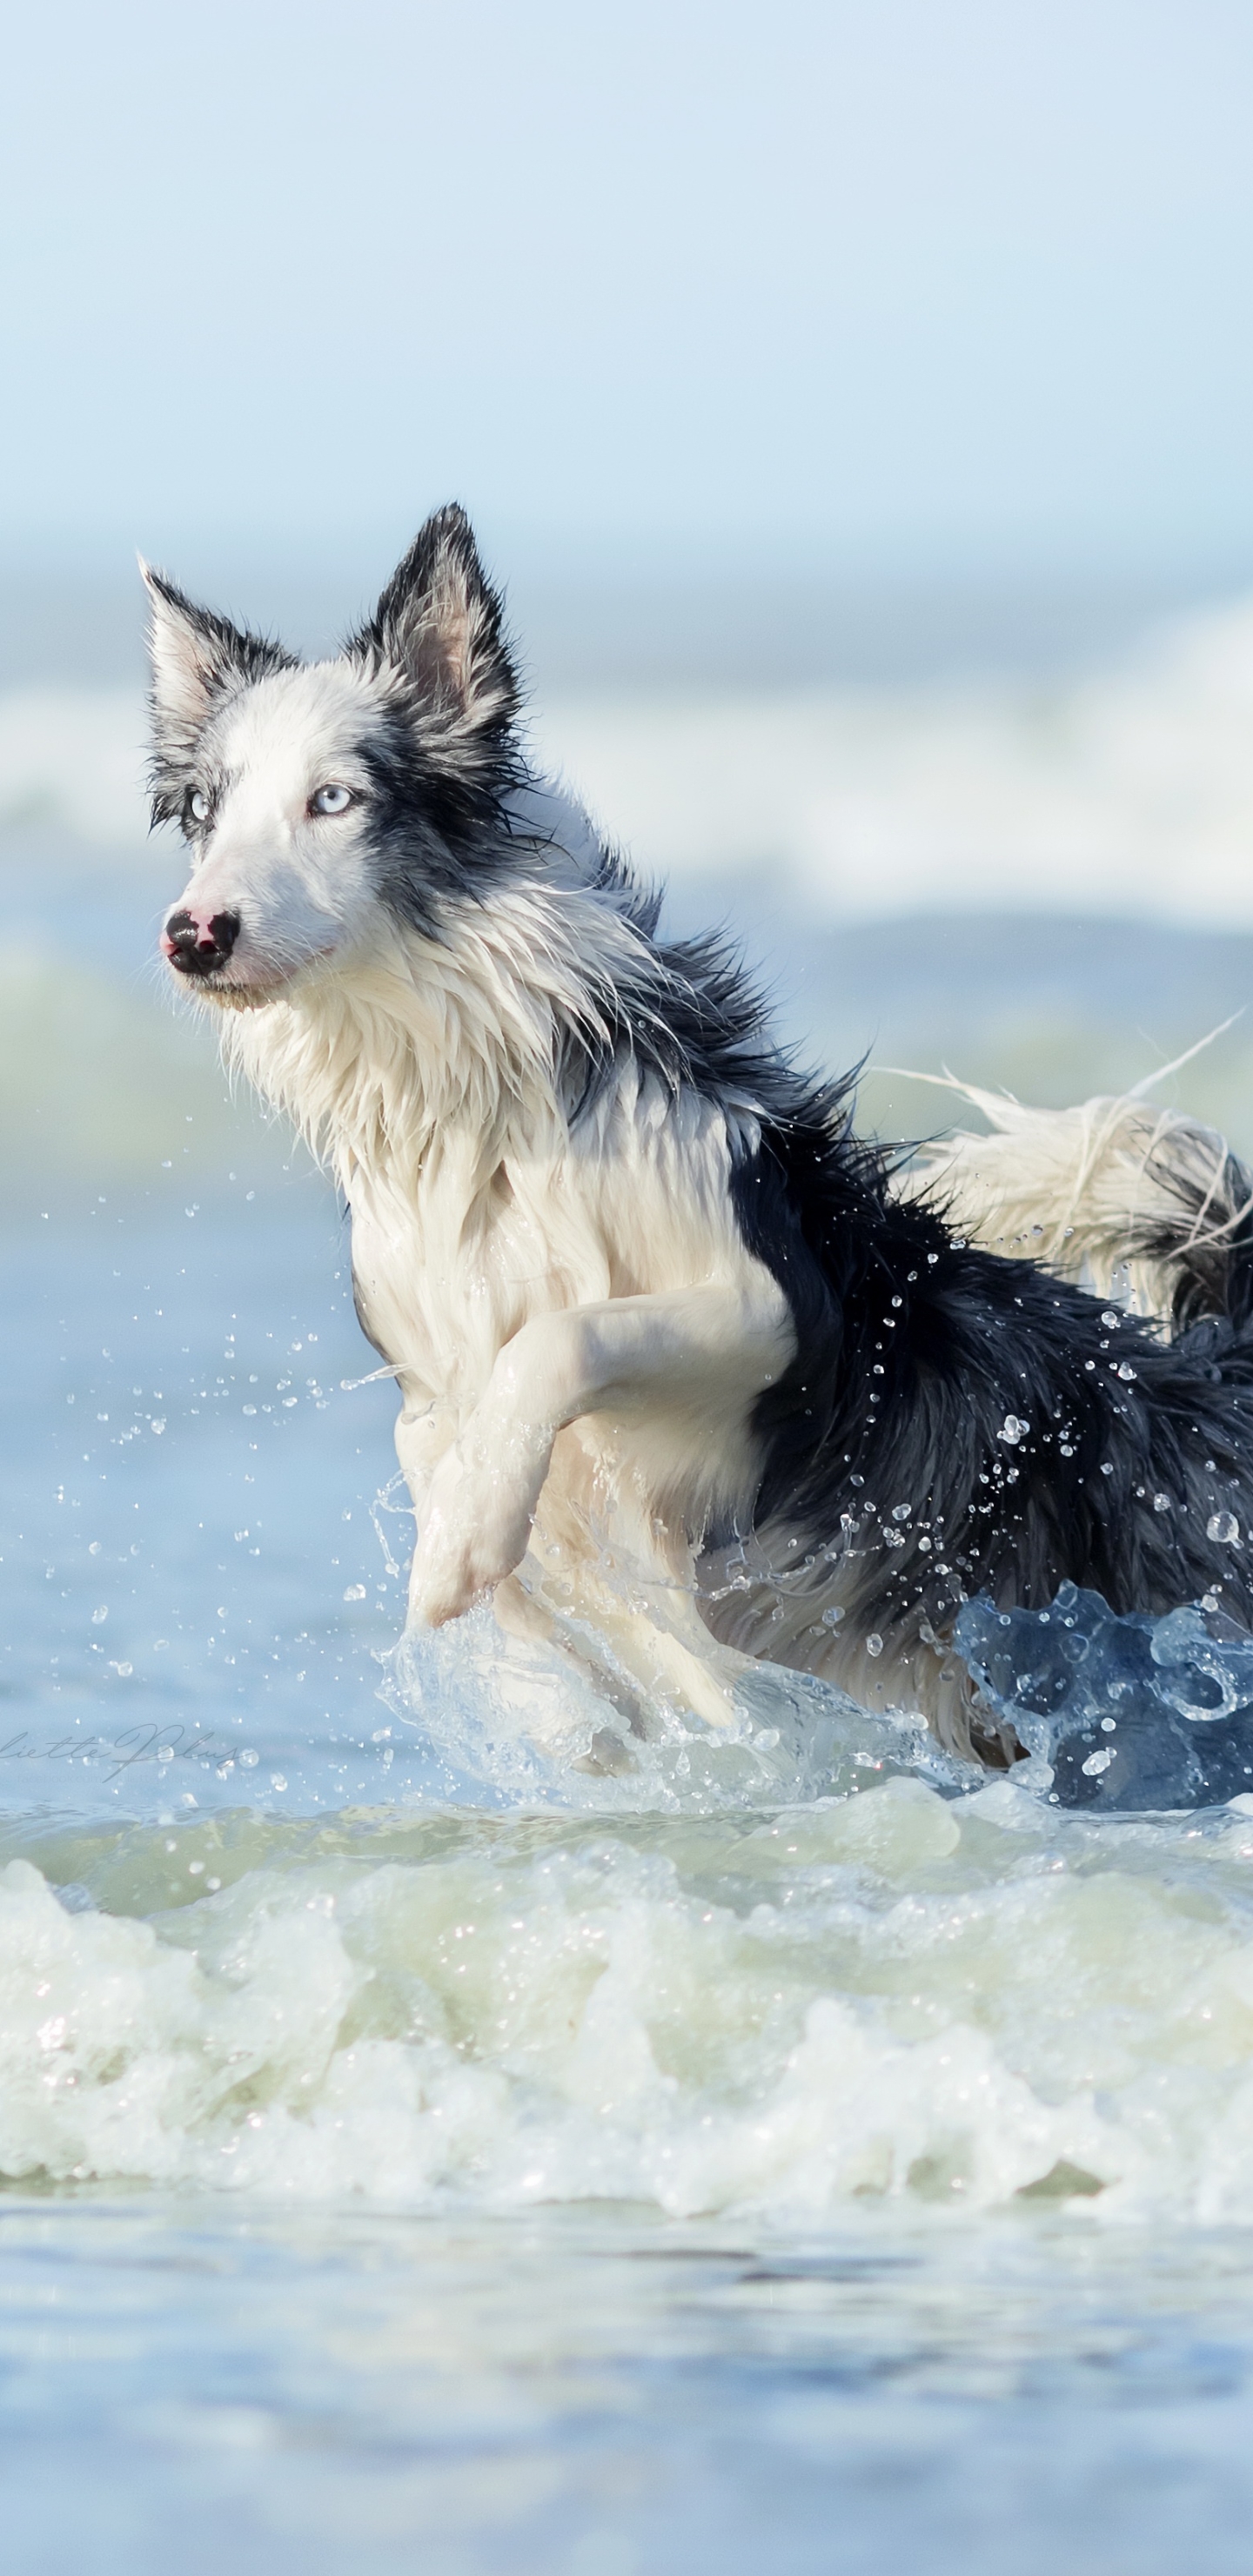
pixel 323 802
pixel 277 813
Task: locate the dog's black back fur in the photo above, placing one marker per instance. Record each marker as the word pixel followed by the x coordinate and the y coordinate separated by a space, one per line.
pixel 956 1422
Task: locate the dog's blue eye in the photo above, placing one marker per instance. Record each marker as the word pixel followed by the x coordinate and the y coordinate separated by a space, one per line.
pixel 198 806
pixel 331 800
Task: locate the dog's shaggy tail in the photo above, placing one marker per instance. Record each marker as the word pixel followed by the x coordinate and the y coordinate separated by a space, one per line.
pixel 1138 1204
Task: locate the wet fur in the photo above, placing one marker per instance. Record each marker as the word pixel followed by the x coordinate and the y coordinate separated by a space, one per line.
pixel 724 1381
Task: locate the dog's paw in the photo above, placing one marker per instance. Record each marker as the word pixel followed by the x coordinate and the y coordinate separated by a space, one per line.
pixel 454 1572
pixel 475 1531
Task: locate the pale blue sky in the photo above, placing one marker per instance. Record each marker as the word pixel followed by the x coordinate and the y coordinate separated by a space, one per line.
pixel 904 281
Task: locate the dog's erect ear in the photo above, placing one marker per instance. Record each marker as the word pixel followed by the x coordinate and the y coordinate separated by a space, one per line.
pixel 439 623
pixel 196 658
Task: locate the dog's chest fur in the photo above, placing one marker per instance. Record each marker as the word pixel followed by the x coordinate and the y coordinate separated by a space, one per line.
pixel 633 1202
pixel 478 1201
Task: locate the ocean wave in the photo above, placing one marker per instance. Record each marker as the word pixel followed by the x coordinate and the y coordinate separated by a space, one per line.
pixel 894 1995
pixel 1130 789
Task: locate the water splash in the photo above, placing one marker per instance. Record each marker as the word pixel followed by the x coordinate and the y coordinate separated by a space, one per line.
pixel 1127 1714
pixel 520 1723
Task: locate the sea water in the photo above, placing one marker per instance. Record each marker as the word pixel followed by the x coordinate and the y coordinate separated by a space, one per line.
pixel 405 2165
pixel 418 2150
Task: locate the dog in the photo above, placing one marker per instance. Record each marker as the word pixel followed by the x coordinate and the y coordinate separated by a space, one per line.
pixel 690 1374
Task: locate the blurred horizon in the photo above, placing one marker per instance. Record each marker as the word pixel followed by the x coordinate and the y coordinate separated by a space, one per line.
pixel 607 623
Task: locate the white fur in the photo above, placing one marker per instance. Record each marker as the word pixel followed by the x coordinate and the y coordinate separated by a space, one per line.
pixel 1080 1189
pixel 580 1332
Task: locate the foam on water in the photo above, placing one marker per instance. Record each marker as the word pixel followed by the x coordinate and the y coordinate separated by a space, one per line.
pixel 891 1993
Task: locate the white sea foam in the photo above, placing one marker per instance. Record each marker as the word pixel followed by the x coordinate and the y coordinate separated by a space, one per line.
pixel 1130 789
pixel 890 1995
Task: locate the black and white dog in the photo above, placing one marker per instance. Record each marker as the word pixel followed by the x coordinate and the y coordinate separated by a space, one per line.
pixel 687 1373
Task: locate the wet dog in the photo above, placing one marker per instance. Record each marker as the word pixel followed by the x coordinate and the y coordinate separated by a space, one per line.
pixel 688 1373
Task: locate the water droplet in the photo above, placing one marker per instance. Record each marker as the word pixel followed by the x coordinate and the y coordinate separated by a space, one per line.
pixel 874 1645
pixel 354 1592
pixel 1126 1373
pixel 249 1759
pixel 1161 1502
pixel 99 1616
pixel 1013 1429
pixel 1110 1320
pixel 1224 1527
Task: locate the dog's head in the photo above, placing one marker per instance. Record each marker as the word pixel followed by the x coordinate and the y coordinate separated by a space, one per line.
pixel 317 797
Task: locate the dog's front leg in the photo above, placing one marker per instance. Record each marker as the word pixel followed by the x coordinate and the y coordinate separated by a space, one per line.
pixel 703 1353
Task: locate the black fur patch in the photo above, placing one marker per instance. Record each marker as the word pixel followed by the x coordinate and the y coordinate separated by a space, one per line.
pixel 1024 1434
pixel 427 843
pixel 447 758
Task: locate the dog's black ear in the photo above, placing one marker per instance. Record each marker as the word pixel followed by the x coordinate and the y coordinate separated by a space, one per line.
pixel 440 624
pixel 196 658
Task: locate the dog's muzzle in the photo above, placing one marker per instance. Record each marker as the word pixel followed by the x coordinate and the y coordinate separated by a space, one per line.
pixel 196 943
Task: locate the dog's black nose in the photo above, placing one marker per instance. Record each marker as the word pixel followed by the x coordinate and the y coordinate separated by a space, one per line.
pixel 195 945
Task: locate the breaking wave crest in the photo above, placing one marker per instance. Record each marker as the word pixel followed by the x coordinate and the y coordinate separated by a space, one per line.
pixel 801 1974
